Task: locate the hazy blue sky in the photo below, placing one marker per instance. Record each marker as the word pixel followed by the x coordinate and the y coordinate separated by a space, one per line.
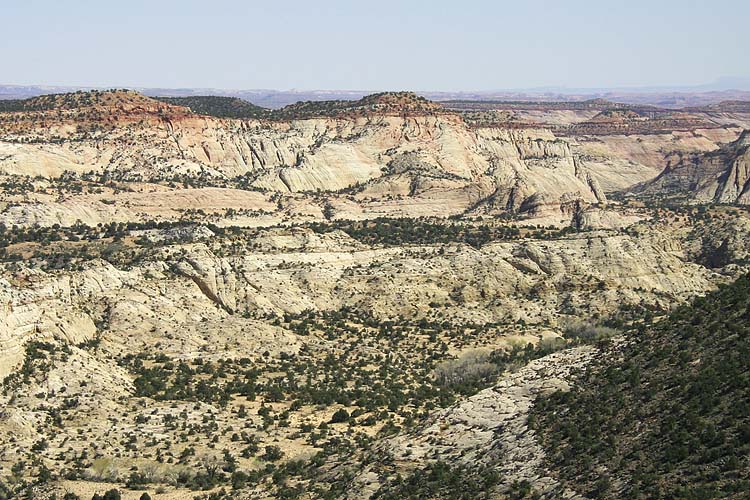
pixel 385 44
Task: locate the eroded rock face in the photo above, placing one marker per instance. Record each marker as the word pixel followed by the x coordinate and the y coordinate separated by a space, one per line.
pixel 428 153
pixel 721 176
pixel 40 307
pixel 297 270
pixel 418 160
pixel 589 271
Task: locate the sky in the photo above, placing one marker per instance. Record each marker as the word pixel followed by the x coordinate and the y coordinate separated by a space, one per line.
pixel 459 45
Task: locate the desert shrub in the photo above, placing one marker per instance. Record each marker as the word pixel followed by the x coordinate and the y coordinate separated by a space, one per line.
pixel 340 416
pixel 584 332
pixel 469 368
pixel 549 345
pixel 112 494
pixel 272 454
pixel 102 470
pixel 136 480
pixel 441 480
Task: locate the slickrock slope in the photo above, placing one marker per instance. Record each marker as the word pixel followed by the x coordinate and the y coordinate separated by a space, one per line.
pixel 618 143
pixel 486 433
pixel 388 154
pixel 529 281
pixel 242 301
pixel 484 285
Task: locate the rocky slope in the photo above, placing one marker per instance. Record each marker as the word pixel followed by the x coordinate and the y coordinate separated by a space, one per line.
pixel 665 415
pixel 487 433
pixel 227 297
pixel 532 281
pixel 387 154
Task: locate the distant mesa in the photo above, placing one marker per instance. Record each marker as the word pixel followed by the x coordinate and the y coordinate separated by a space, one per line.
pixel 87 112
pixel 77 100
pixel 225 107
pixel 381 103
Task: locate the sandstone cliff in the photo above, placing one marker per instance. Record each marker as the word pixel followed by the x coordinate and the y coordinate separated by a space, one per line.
pixel 720 176
pixel 420 150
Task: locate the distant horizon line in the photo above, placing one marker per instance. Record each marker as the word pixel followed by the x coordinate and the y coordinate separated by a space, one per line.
pixel 722 84
pixel 664 97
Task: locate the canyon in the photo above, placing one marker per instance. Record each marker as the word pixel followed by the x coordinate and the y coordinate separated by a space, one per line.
pixel 202 298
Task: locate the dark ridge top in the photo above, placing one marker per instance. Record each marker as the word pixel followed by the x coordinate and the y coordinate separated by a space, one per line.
pixel 724 107
pixel 229 107
pixel 384 102
pixel 221 107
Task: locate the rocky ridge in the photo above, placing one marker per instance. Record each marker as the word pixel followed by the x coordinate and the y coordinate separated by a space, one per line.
pixel 129 138
pixel 720 176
